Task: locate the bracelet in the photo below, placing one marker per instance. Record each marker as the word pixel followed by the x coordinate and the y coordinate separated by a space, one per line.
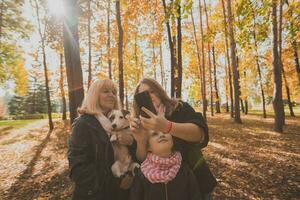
pixel 170 125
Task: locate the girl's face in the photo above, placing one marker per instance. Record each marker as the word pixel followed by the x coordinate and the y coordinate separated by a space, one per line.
pixel 108 99
pixel 155 99
pixel 160 144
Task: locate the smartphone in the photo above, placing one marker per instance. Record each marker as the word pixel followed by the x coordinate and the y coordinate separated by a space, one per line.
pixel 143 99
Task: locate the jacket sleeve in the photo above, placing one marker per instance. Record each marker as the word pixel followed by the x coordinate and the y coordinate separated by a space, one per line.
pixel 191 116
pixel 83 170
pixel 137 190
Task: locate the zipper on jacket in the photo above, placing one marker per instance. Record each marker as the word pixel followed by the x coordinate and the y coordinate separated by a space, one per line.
pixel 166 191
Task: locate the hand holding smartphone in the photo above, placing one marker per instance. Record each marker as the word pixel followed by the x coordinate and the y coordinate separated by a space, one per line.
pixel 143 99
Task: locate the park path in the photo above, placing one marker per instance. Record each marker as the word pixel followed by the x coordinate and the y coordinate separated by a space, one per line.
pixel 26 154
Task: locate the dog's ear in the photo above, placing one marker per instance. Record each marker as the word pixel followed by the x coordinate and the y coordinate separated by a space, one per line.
pixel 109 114
pixel 125 113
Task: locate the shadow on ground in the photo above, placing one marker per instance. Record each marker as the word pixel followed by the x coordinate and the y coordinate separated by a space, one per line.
pixel 251 161
pixel 43 178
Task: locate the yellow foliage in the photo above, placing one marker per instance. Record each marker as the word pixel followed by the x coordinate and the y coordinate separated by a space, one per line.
pixel 21 78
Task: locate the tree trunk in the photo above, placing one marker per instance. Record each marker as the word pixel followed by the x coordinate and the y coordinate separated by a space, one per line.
pixel 138 75
pixel 246 97
pixel 179 53
pixel 62 90
pixel 42 37
pixel 34 95
pixel 296 59
pixel 218 110
pixel 203 64
pixel 120 53
pixel 72 58
pixel 108 42
pixel 228 59
pixel 171 45
pixel 175 71
pixel 209 63
pixel 89 44
pixel 237 117
pixel 294 44
pixel 281 63
pixel 154 60
pixel 246 107
pixel 126 95
pixel 162 75
pixel 225 81
pixel 210 83
pixel 277 95
pixel 258 68
pixel 198 53
pixel 242 105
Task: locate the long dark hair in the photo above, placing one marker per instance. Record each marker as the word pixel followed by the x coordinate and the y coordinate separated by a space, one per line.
pixel 170 103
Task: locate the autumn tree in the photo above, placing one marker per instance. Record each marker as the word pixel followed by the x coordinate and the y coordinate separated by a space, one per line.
pixel 42 35
pixel 204 103
pixel 277 98
pixel 72 57
pixel 234 66
pixel 120 52
pixel 13 27
pixel 229 73
pixel 55 41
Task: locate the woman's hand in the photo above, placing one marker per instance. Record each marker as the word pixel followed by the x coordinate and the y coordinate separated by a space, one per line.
pixel 155 122
pixel 139 133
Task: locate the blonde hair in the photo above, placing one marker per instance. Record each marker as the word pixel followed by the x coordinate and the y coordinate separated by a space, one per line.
pixel 170 103
pixel 91 102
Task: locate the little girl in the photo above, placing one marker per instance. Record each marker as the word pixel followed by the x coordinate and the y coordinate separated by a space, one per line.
pixel 162 175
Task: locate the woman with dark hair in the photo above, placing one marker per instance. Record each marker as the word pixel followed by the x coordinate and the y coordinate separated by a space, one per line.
pixel 187 127
pixel 90 152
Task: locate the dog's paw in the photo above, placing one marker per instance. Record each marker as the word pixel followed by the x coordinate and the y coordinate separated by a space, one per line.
pixel 113 138
pixel 116 170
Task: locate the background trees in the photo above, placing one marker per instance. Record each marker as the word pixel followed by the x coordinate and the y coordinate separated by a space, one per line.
pixel 197 49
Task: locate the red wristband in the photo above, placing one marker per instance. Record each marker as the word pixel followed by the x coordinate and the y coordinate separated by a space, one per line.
pixel 170 125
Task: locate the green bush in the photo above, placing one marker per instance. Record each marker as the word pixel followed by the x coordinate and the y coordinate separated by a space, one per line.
pixel 4 117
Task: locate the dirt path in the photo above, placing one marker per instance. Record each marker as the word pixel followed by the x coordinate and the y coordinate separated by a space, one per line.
pixel 20 131
pixel 250 161
pixel 33 161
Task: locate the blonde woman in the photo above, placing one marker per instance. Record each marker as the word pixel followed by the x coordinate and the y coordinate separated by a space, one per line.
pixel 90 153
pixel 178 119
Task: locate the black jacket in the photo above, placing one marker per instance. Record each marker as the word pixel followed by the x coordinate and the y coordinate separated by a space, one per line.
pixel 183 187
pixel 90 156
pixel 184 113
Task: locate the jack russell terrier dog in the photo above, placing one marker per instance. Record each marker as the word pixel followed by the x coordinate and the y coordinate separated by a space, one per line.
pixel 123 161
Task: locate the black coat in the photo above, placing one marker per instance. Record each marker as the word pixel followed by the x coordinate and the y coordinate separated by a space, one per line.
pixel 183 187
pixel 184 113
pixel 90 156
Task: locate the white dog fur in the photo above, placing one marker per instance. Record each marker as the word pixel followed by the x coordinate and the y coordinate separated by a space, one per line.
pixel 123 161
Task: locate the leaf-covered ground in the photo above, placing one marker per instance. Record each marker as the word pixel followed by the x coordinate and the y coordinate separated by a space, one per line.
pixel 250 161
